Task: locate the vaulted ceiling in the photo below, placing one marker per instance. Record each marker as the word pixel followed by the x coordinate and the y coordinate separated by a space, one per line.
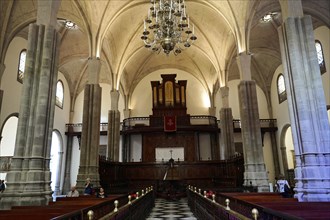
pixel 111 30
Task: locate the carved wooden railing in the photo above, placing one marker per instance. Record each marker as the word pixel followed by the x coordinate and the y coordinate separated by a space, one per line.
pixel 207 207
pixel 122 208
pixel 136 209
pixel 245 208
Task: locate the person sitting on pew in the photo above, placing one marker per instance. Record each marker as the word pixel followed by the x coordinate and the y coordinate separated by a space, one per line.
pixel 101 193
pixel 2 186
pixel 73 192
pixel 88 187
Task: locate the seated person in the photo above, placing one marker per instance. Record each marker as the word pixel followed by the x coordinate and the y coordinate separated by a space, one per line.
pixel 88 187
pixel 73 192
pixel 2 185
pixel 101 193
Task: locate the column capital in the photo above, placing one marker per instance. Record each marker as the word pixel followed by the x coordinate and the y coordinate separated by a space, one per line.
pixel 291 8
pixel 94 67
pixel 225 96
pixel 114 94
pixel 47 12
pixel 127 113
pixel 212 111
pixel 244 65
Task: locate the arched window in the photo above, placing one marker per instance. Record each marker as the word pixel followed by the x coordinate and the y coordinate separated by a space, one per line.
pixel 21 66
pixel 281 91
pixel 59 94
pixel 320 56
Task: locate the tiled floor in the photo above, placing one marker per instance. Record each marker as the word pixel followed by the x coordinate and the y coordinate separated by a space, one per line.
pixel 171 210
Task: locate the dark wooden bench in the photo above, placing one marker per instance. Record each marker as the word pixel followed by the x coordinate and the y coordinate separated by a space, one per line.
pixel 61 207
pixel 273 204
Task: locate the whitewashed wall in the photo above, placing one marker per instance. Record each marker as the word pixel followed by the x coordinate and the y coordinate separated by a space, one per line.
pixel 61 117
pixel 280 113
pixel 8 137
pixel 75 161
pixel 105 105
pixel 323 35
pixel 289 148
pixel 9 84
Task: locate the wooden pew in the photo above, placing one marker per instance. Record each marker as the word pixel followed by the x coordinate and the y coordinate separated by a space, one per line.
pixel 274 205
pixel 59 208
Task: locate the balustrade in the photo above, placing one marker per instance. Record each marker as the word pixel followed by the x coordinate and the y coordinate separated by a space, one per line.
pixel 198 120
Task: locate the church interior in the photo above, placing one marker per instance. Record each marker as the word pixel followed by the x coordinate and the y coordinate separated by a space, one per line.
pixel 206 101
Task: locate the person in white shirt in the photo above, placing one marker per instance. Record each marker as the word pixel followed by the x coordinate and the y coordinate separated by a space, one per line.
pixel 283 186
pixel 73 192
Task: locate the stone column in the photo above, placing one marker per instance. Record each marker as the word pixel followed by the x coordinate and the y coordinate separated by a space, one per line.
pixel 277 170
pixel 127 113
pixel 127 110
pixel 28 182
pixel 90 136
pixel 114 127
pixel 59 170
pixel 227 145
pixel 307 106
pixel 1 97
pixel 125 138
pixel 255 171
pixel 67 175
pixel 2 70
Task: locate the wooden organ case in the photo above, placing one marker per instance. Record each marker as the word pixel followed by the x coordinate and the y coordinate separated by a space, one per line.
pixel 169 99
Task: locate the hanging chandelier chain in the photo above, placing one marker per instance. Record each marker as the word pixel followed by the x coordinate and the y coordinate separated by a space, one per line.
pixel 167 26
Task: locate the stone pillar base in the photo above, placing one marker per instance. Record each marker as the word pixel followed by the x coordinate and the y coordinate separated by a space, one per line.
pixel 10 199
pixel 258 179
pixel 312 195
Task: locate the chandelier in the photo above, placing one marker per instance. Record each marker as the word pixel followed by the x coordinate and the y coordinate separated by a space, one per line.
pixel 167 27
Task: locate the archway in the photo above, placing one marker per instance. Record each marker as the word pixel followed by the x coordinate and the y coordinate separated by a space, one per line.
pixel 55 164
pixel 289 149
pixel 287 152
pixel 7 143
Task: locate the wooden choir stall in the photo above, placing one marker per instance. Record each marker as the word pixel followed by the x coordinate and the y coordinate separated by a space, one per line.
pixel 171 149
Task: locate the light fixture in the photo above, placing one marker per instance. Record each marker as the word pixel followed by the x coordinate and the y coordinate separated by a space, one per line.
pixel 167 27
pixel 268 17
pixel 70 24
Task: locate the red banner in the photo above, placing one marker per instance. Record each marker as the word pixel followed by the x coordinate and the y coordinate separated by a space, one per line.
pixel 169 123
